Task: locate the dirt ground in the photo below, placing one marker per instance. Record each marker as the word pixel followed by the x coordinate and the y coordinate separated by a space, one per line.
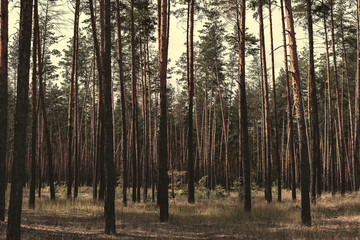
pixel 334 217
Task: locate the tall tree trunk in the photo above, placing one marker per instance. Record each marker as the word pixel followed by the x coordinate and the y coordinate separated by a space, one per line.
pixel 351 122
pixel 331 152
pixel 33 117
pixel 342 141
pixel 266 106
pixel 100 133
pixel 314 119
pixel 20 126
pixel 123 103
pixel 243 119
pixel 44 111
pixel 191 188
pixel 109 170
pixel 276 151
pixel 290 133
pixel 163 60
pixel 134 104
pixel 295 74
pixel 71 100
pixel 101 152
pixel 357 96
pixel 3 102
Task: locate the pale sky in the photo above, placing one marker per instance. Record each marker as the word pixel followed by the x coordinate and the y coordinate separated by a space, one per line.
pixel 178 34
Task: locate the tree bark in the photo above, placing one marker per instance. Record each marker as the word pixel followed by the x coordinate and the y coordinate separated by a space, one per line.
pixel 266 107
pixel 3 102
pixel 108 124
pixel 33 118
pixel 71 100
pixel 243 118
pixel 134 103
pixel 191 188
pixel 123 103
pixel 163 60
pixel 342 140
pixel 290 133
pixel 276 131
pixel 44 111
pixel 314 119
pixel 357 96
pixel 295 74
pixel 21 111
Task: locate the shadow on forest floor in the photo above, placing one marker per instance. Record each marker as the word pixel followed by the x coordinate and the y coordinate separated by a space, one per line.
pixel 333 217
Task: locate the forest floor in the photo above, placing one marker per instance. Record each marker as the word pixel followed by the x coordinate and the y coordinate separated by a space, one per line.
pixel 334 217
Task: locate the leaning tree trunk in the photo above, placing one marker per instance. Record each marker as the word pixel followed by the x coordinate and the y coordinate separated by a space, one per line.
pixel 163 60
pixel 20 126
pixel 3 102
pixel 303 148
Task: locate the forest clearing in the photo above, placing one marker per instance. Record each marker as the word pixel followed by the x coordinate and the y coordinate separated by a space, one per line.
pixel 334 217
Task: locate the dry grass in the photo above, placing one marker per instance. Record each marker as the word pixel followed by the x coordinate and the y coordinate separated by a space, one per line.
pixel 334 217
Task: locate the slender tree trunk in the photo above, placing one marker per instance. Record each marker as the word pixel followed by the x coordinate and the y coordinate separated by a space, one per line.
pixel 295 74
pixel 163 60
pixel 109 170
pixel 266 107
pixel 314 119
pixel 44 111
pixel 33 117
pixel 290 134
pixel 71 100
pixel 134 103
pixel 3 102
pixel 123 103
pixel 342 140
pixel 276 151
pixel 332 159
pixel 21 111
pixel 100 133
pixel 244 152
pixel 357 97
pixel 191 188
pixel 351 123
